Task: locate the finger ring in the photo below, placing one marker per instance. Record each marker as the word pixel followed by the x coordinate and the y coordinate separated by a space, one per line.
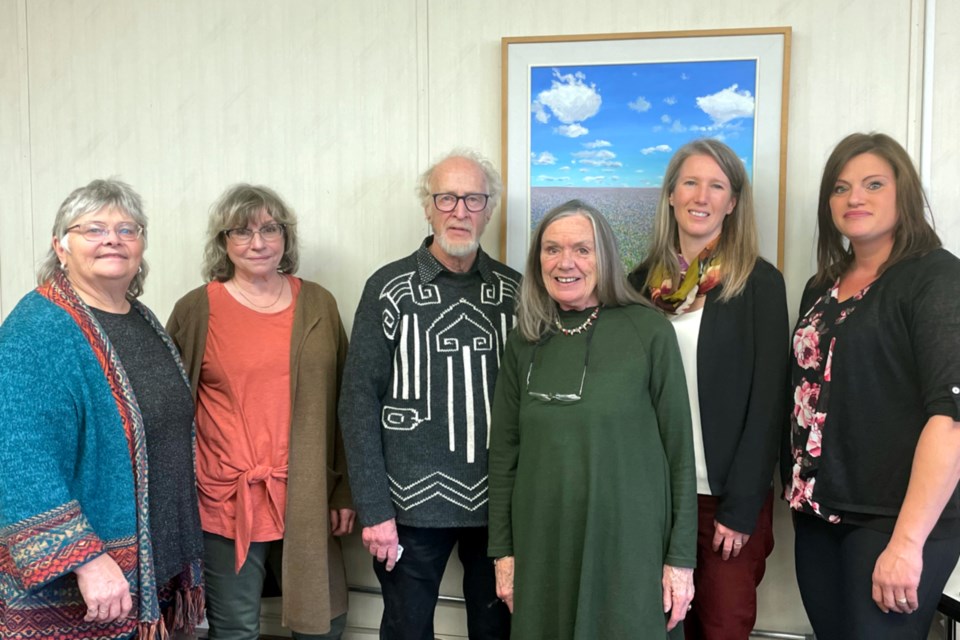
pixel 901 601
pixel 738 544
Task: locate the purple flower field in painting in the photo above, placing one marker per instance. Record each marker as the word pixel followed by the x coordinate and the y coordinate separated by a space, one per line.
pixel 629 211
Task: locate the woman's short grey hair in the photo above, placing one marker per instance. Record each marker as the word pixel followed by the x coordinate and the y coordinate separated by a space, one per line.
pixel 237 207
pixel 99 194
pixel 536 310
pixel 494 183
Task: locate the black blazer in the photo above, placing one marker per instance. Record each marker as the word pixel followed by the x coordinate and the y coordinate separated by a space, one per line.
pixel 742 375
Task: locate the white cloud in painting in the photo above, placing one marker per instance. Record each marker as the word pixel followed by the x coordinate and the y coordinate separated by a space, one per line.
pixel 727 104
pixel 564 168
pixel 603 154
pixel 539 112
pixel 639 170
pixel 660 148
pixel 671 100
pixel 594 178
pixel 599 158
pixel 584 170
pixel 553 178
pixel 665 119
pixel 684 76
pixel 640 104
pixel 597 144
pixel 574 130
pixel 570 98
pixel 614 178
pixel 677 127
pixel 545 157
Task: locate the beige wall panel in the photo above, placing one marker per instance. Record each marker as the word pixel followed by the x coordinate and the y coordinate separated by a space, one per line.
pixel 944 191
pixel 183 98
pixel 16 240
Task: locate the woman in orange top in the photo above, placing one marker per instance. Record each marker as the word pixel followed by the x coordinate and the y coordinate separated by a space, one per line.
pixel 264 351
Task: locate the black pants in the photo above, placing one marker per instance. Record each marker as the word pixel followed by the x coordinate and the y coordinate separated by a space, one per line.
pixel 410 591
pixel 835 573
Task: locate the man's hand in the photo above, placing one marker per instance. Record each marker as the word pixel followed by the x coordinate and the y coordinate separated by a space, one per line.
pixel 104 589
pixel 381 541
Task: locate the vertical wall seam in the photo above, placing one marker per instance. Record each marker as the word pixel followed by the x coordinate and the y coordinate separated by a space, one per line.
pixel 926 94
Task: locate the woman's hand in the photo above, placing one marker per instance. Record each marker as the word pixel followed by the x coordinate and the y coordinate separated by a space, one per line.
pixel 341 521
pixel 677 593
pixel 104 589
pixel 896 576
pixel 728 541
pixel 503 567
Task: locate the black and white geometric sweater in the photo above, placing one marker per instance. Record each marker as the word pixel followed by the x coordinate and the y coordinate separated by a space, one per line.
pixel 418 387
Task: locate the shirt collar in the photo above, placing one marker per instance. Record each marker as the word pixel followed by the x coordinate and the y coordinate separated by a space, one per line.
pixel 429 267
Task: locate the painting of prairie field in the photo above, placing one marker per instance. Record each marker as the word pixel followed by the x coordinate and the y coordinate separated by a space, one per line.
pixel 599 117
pixel 629 210
pixel 605 133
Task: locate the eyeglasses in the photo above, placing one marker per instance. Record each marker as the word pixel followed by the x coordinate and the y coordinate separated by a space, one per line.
pixel 447 202
pixel 561 398
pixel 97 232
pixel 243 235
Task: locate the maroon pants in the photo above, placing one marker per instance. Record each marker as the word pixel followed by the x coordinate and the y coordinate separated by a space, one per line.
pixel 725 602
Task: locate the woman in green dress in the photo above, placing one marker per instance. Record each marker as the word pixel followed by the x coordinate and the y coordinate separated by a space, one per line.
pixel 592 484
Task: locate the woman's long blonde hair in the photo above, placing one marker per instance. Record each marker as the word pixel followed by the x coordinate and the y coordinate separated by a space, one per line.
pixel 738 247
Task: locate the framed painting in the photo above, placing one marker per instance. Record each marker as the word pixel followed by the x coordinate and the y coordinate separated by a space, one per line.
pixel 598 117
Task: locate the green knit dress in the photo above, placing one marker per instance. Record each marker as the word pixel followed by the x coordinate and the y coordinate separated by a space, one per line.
pixel 593 497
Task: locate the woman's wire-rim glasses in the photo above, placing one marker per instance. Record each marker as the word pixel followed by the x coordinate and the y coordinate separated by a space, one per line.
pixel 97 232
pixel 243 235
pixel 561 398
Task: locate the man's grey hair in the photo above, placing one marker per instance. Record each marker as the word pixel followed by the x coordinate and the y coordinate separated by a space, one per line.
pixel 490 173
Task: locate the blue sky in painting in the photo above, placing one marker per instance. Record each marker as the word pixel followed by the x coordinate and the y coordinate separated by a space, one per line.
pixel 618 125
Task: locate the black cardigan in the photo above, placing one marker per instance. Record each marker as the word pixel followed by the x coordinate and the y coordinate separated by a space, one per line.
pixel 742 368
pixel 896 364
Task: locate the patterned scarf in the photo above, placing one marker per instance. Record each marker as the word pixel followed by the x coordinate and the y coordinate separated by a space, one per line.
pixel 696 279
pixel 188 600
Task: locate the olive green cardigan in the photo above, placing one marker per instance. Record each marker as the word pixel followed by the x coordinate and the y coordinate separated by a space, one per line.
pixel 314 583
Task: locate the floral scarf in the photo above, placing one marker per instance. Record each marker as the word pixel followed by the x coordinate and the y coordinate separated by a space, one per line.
pixel 696 279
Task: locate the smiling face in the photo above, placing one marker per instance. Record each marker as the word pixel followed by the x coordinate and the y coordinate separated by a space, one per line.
pixel 863 202
pixel 108 264
pixel 701 200
pixel 457 233
pixel 260 258
pixel 568 262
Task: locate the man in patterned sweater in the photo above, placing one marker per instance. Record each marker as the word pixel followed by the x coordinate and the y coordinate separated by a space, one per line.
pixel 415 404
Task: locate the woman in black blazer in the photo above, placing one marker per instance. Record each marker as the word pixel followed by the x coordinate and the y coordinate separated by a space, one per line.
pixel 729 309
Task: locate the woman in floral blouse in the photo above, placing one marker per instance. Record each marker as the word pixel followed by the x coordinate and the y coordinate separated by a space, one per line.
pixel 874 455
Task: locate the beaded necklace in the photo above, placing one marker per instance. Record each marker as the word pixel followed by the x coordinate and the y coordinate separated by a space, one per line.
pixel 580 329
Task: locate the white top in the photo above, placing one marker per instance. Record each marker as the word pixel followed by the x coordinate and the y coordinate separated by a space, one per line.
pixel 687 326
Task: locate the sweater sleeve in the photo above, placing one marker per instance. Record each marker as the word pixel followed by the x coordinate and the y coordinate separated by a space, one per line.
pixel 934 314
pixel 365 378
pixel 504 451
pixel 668 391
pixel 44 534
pixel 751 471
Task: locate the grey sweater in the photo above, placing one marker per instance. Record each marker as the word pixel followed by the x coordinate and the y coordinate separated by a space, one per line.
pixel 417 389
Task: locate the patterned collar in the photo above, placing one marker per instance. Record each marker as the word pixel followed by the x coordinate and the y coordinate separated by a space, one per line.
pixel 429 267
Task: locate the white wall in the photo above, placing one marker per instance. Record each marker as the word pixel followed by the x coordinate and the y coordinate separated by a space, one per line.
pixel 338 105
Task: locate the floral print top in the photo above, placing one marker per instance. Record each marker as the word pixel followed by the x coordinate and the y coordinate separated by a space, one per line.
pixel 814 341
